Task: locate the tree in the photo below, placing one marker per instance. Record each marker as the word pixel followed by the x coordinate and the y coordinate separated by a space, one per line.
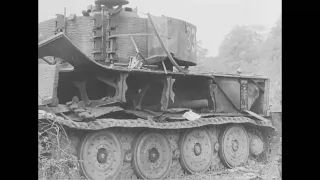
pixel 206 63
pixel 241 45
pixel 202 53
pixel 247 47
pixel 271 61
pixel 202 56
pixel 250 49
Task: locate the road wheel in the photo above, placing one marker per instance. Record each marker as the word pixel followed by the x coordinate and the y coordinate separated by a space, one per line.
pixel 152 155
pixel 234 143
pixel 196 150
pixel 101 155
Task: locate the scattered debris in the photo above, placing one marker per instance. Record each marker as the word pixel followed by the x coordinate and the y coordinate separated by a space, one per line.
pixel 134 63
pixel 177 110
pixel 191 116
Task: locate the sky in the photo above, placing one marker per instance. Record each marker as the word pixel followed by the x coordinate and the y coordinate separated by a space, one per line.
pixel 214 18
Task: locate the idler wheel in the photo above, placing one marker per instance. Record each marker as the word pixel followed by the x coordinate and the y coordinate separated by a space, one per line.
pixel 256 146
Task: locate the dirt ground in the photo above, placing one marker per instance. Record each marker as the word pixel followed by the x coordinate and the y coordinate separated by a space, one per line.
pixel 269 171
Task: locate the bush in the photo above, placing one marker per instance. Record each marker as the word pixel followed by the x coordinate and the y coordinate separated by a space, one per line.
pixel 54 160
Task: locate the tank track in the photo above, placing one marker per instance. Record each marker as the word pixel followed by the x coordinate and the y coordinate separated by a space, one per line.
pixel 108 123
pixel 128 129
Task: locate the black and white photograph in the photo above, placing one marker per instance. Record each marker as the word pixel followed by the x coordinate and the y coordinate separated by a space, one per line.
pixel 160 89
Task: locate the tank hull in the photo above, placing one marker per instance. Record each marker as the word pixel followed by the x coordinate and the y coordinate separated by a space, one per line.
pixel 124 122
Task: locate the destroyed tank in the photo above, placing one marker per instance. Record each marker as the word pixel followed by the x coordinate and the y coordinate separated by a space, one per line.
pixel 119 83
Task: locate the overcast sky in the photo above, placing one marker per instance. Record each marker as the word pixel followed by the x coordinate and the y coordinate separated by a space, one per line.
pixel 213 18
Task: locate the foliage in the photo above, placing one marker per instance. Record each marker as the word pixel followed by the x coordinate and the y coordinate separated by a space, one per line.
pixel 240 45
pixel 202 53
pixel 253 51
pixel 62 169
pixel 205 63
pixel 55 161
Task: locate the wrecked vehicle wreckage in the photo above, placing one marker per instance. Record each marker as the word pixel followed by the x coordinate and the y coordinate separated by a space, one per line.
pixel 131 110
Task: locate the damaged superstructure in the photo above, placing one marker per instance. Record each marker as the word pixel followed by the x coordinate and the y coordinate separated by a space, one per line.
pixel 131 106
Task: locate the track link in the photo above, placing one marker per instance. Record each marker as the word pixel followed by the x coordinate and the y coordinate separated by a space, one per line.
pixel 108 123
